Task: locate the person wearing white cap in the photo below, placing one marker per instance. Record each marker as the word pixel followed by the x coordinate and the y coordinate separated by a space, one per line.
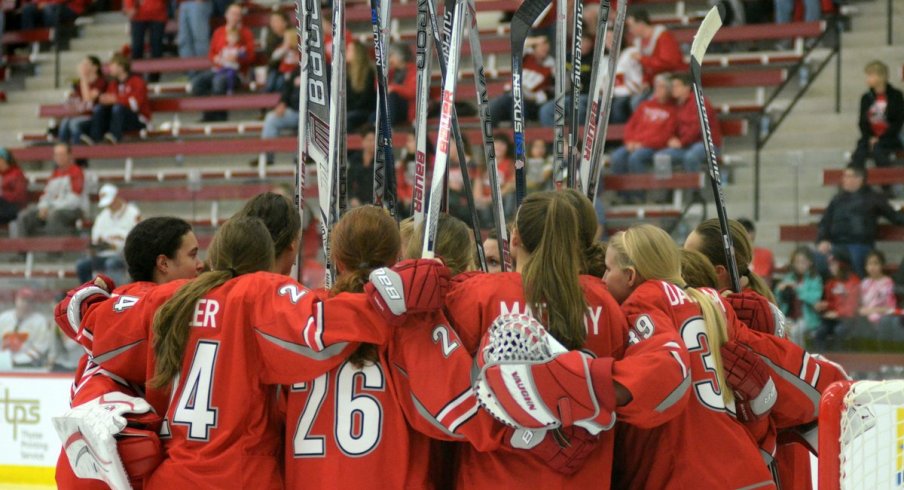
pixel 108 236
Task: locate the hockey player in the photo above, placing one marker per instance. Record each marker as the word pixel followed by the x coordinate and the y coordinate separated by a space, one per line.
pixel 581 314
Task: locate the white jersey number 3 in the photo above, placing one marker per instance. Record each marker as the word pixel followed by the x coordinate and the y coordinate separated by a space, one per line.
pixel 358 416
pixel 706 383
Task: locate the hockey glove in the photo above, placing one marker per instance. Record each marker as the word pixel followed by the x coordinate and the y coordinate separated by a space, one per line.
pixel 88 434
pixel 410 287
pixel 564 450
pixel 528 380
pixel 757 313
pixel 68 312
pixel 748 376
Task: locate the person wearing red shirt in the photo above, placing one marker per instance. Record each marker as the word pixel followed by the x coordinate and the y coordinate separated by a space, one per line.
pixel 401 80
pixel 217 80
pixel 13 187
pixel 123 107
pixel 881 118
pixel 647 131
pixel 146 16
pixel 657 50
pixel 841 301
pixel 685 146
pixel 51 13
pixel 763 263
pixel 536 82
pixel 84 93
pixel 60 206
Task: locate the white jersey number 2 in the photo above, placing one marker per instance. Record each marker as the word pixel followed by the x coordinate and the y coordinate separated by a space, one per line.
pixel 358 416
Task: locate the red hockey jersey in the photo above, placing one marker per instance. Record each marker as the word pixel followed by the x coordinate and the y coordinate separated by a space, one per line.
pixel 248 335
pixel 678 454
pixel 379 418
pixel 474 304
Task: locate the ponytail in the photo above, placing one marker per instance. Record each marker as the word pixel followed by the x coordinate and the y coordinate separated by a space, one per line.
pixel 710 240
pixel 548 227
pixel 241 246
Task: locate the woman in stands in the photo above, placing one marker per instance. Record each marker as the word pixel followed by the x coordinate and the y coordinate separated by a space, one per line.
pixel 13 187
pixel 84 93
pixel 643 273
pixel 581 314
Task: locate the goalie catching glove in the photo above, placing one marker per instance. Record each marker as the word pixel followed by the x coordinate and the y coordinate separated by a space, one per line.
pixel 100 444
pixel 409 287
pixel 748 376
pixel 68 313
pixel 528 380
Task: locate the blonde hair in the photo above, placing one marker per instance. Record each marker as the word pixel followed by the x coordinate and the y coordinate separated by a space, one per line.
pixel 360 68
pixel 652 254
pixel 878 68
pixel 549 228
pixel 454 243
pixel 697 270
pixel 241 246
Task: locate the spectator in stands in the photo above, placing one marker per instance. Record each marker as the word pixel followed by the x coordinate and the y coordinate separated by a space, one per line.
pixel 193 37
pixel 360 88
pixel 13 187
pixel 405 167
pixel 784 10
pixel 229 61
pixel 629 81
pixel 850 220
pixel 147 18
pixel 685 146
pixel 278 47
pixel 60 206
pixel 25 334
pixel 213 81
pixel 108 236
pixel 536 82
pixel 284 115
pixel 763 263
pixel 877 299
pixel 658 51
pixel 361 169
pixel 839 304
pixel 51 13
pixel 458 198
pixel 505 163
pixel 85 91
pixel 648 131
pixel 881 118
pixel 401 82
pixel 538 166
pixel 548 109
pixel 124 107
pixel 798 292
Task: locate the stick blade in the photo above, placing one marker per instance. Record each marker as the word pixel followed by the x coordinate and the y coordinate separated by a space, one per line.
pixel 707 31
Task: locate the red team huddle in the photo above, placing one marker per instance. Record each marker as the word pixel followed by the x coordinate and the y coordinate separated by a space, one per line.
pixel 240 377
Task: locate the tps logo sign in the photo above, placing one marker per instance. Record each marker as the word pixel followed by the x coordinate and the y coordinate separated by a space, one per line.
pixel 18 412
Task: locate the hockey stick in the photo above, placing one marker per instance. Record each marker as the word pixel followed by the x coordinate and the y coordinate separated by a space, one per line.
pixel 318 130
pixel 524 19
pixel 595 163
pixel 422 61
pixel 558 132
pixel 442 139
pixel 594 95
pixel 459 142
pixel 708 29
pixel 384 160
pixel 576 68
pixel 301 17
pixel 337 95
pixel 489 150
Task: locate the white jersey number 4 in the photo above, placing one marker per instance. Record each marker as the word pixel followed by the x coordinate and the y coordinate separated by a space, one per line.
pixel 358 416
pixel 194 408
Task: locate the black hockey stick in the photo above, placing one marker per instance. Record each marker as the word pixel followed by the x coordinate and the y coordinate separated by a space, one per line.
pixel 524 19
pixel 384 160
pixel 708 29
pixel 576 68
pixel 558 132
pixel 338 153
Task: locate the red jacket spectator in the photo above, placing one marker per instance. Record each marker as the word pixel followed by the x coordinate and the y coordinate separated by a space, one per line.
pixel 132 93
pixel 652 124
pixel 688 126
pixel 843 297
pixel 218 42
pixel 14 186
pixel 146 10
pixel 64 189
pixel 660 53
pixel 406 88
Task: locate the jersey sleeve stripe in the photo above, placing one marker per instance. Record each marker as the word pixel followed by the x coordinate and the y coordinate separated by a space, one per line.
pixel 452 405
pixel 802 386
pixel 464 418
pixel 425 414
pixel 106 356
pixel 676 394
pixel 318 355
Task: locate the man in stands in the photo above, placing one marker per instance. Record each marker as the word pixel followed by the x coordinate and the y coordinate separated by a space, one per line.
pixel 881 118
pixel 284 115
pixel 60 206
pixel 123 107
pixel 648 130
pixel 25 334
pixel 685 146
pixel 658 51
pixel 850 220
pixel 216 81
pixel 536 82
pixel 108 236
pixel 147 16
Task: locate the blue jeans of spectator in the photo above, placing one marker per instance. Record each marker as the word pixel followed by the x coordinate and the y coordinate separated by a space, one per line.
pixel 113 266
pixel 501 108
pixel 216 83
pixel 634 162
pixel 48 16
pixel 784 10
pixel 116 120
pixel 275 81
pixel 155 30
pixel 548 111
pixel 858 252
pixel 273 124
pixel 71 129
pixel 194 28
pixel 621 110
pixel 688 159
